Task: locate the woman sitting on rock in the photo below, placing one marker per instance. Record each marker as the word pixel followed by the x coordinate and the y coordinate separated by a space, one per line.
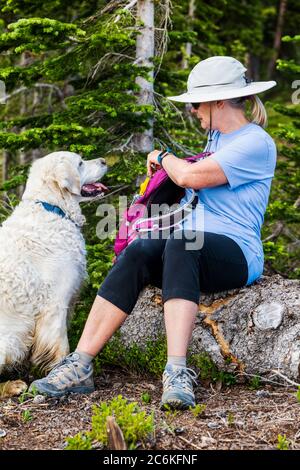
pixel 233 186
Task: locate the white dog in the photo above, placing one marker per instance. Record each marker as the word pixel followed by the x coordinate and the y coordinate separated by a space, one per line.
pixel 42 258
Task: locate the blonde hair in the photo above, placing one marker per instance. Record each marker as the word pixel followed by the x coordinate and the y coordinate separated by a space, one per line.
pixel 258 111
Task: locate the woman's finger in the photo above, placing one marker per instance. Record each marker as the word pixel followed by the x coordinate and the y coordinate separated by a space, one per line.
pixel 149 170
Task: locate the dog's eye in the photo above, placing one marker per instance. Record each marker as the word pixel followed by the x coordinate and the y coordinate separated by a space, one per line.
pixel 81 163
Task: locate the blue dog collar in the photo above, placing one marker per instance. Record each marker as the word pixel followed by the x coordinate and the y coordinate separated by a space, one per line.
pixel 51 208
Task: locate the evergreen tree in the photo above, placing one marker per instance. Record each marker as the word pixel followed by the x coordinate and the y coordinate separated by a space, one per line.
pixel 71 71
pixel 282 244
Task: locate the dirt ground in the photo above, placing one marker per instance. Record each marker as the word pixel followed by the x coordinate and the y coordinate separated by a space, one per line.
pixel 235 417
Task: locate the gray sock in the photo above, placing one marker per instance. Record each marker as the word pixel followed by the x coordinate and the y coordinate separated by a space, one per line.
pixel 84 358
pixel 177 361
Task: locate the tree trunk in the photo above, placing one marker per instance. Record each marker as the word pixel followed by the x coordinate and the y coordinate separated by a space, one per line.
pixel 188 46
pixel 188 53
pixel 254 67
pixel 253 330
pixel 4 173
pixel 143 142
pixel 277 37
pixel 23 111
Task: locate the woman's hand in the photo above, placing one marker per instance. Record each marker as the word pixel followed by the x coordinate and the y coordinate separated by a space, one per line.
pixel 152 163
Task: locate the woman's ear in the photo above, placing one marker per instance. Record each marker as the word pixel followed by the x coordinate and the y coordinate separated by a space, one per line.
pixel 220 104
pixel 67 177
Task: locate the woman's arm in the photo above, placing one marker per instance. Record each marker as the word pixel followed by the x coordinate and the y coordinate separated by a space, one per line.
pixel 204 174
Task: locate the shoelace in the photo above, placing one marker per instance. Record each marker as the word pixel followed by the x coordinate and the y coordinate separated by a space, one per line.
pixel 67 361
pixel 184 375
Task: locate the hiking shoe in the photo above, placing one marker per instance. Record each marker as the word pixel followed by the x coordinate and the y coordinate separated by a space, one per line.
pixel 69 376
pixel 178 387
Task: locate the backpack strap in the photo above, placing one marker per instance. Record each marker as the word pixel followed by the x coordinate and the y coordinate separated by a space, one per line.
pixel 170 220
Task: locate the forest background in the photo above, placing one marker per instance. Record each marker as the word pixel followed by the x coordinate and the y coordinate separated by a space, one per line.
pixel 90 77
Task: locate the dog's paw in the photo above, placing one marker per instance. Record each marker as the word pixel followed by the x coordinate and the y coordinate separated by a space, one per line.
pixel 12 388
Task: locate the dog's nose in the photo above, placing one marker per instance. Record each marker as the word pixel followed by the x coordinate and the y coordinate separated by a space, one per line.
pixel 102 161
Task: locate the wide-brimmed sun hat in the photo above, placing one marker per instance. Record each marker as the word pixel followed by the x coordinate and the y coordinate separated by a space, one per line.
pixel 219 78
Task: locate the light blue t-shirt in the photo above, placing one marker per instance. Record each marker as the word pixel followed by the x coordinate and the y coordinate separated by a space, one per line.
pixel 236 209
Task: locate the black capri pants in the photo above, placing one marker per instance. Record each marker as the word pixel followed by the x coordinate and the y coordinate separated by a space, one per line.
pixel 180 272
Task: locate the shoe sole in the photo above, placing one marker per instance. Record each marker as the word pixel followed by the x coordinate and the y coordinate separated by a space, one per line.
pixel 82 390
pixel 175 405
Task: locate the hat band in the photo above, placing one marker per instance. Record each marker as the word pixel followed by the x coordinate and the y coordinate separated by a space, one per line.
pixel 215 84
pixel 244 81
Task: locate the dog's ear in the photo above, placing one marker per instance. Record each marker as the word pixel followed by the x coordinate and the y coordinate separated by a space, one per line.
pixel 66 176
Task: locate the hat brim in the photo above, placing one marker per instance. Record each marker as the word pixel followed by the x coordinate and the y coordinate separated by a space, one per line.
pixel 211 93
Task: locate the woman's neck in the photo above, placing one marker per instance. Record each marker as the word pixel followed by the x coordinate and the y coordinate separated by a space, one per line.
pixel 232 123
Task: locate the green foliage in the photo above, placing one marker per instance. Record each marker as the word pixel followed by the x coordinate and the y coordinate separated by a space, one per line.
pixel 18 176
pixel 149 359
pixel 70 72
pixel 255 382
pixel 230 419
pixel 298 394
pixel 52 136
pixel 26 395
pixel 282 216
pixel 134 423
pixel 208 371
pixel 26 416
pixel 170 415
pixel 283 442
pixel 146 398
pixel 80 441
pixel 197 410
pixel 39 34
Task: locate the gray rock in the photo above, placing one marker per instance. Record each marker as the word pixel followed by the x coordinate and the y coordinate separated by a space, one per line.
pixel 257 327
pixel 39 399
pixel 207 441
pixel 263 394
pixel 269 315
pixel 213 425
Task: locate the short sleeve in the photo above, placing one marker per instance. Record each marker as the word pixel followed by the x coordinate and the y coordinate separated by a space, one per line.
pixel 246 159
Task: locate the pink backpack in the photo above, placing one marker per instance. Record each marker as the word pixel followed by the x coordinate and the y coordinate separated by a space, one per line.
pixel 159 189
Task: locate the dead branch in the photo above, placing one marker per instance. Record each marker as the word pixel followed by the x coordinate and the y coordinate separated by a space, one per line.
pixel 116 439
pixel 277 231
pixel 38 85
pixel 101 61
pixel 161 47
pixel 189 442
pixel 276 372
pixel 127 7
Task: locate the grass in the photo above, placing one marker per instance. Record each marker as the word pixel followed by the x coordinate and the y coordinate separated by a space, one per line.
pixel 26 416
pixel 28 395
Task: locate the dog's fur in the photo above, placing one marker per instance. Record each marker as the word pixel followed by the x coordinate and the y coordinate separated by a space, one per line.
pixel 42 261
